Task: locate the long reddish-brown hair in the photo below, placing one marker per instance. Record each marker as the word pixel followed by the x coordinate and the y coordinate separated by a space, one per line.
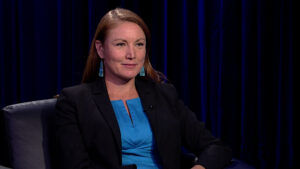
pixel 107 22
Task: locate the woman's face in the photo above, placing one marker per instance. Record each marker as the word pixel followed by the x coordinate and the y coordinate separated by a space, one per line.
pixel 123 51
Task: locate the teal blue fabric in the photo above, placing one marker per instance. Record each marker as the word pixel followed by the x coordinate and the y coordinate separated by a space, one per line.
pixel 138 144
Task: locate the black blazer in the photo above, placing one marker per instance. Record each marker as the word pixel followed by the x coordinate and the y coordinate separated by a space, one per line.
pixel 88 134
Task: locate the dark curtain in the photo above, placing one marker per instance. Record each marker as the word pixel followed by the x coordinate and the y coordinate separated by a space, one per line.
pixel 232 61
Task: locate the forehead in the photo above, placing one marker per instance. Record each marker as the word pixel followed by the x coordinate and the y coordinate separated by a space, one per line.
pixel 125 30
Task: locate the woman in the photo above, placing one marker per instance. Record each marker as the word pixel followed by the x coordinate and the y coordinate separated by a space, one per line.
pixel 123 115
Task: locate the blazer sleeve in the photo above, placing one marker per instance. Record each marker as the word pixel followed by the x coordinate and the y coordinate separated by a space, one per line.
pixel 70 144
pixel 212 153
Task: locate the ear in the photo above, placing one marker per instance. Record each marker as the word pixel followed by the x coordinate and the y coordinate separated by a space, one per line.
pixel 99 48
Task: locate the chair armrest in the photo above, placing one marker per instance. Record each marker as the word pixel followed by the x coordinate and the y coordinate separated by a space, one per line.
pixel 238 164
pixel 2 167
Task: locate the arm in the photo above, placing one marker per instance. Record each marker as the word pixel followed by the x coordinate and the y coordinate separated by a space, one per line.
pixel 212 153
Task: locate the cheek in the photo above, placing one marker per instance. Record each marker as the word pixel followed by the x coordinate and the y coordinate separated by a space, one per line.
pixel 142 54
pixel 113 55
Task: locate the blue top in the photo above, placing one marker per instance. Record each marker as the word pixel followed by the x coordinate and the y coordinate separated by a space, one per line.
pixel 138 144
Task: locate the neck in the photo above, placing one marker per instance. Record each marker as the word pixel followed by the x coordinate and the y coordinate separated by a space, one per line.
pixel 121 90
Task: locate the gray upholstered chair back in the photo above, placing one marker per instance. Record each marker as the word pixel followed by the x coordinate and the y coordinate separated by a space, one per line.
pixel 29 128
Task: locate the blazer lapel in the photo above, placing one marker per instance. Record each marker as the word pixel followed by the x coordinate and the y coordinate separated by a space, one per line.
pixel 103 103
pixel 148 97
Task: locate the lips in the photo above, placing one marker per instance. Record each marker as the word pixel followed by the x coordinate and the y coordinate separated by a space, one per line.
pixel 129 65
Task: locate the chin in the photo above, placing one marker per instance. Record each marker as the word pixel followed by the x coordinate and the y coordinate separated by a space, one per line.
pixel 129 77
pixel 130 74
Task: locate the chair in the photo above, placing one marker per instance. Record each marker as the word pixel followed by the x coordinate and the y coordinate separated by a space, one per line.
pixel 30 132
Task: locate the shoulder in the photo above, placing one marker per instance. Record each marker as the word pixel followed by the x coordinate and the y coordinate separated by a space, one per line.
pixel 76 90
pixel 164 89
pixel 76 95
pixel 83 90
pixel 160 87
pixel 167 89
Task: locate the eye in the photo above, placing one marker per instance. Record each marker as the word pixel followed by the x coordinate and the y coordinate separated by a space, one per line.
pixel 120 44
pixel 140 44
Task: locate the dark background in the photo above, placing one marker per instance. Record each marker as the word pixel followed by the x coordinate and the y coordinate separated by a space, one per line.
pixel 232 61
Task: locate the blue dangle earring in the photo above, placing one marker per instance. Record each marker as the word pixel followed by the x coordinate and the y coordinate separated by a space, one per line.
pixel 142 71
pixel 101 69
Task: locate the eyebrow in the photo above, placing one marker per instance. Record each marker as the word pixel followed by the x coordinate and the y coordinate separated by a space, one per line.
pixel 143 39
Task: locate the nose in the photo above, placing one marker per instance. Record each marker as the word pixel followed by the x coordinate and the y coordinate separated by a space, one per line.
pixel 130 54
